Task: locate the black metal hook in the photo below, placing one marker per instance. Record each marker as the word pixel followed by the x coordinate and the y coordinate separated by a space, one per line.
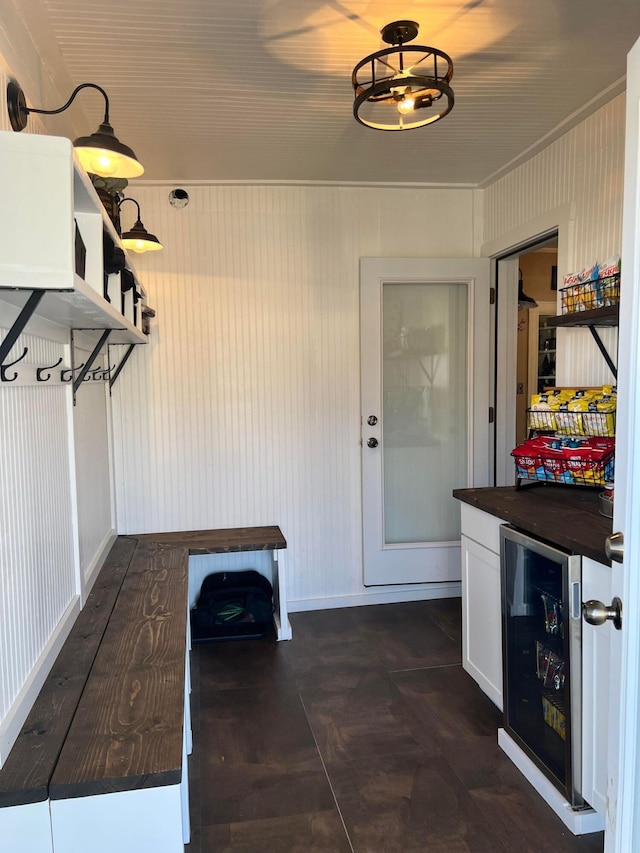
pixel 69 378
pixel 94 374
pixel 40 371
pixel 3 368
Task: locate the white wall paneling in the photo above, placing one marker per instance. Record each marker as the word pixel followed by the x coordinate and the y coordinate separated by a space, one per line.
pixel 37 560
pixel 92 452
pixel 247 399
pixel 583 169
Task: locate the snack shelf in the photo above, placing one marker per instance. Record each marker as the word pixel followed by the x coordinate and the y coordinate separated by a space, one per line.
pixel 608 316
pixel 594 317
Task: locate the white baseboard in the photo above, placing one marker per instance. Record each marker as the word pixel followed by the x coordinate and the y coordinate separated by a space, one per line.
pixel 19 711
pixel 93 569
pixel 378 595
pixel 579 821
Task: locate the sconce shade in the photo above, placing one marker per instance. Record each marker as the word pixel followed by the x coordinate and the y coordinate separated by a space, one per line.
pixel 102 153
pixel 138 239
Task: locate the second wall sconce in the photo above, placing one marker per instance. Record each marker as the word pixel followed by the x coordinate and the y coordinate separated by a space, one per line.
pixel 102 153
pixel 138 239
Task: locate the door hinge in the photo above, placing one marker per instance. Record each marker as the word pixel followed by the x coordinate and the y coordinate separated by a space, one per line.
pixel 492 296
pixel 492 414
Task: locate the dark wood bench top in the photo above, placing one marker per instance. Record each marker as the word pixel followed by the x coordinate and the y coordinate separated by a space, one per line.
pixel 222 541
pixel 127 731
pixel 27 772
pixel 129 642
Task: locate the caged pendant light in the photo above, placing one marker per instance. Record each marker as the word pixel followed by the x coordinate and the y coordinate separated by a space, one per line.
pixel 393 86
pixel 101 154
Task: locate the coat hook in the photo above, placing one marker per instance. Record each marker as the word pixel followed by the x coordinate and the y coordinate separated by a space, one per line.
pixel 94 374
pixel 106 372
pixel 40 371
pixel 67 375
pixel 3 368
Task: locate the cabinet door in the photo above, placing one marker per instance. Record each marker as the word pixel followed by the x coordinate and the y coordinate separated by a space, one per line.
pixel 482 618
pixel 596 641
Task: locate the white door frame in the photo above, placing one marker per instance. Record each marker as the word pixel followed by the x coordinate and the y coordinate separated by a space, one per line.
pixel 560 220
pixel 623 810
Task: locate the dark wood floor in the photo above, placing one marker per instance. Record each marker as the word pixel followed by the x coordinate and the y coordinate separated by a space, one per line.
pixel 361 734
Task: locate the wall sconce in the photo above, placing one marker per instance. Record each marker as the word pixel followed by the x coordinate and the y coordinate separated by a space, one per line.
pixel 138 238
pixel 102 153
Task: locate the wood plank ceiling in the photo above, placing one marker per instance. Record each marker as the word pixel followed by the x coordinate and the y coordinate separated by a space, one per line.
pixel 259 90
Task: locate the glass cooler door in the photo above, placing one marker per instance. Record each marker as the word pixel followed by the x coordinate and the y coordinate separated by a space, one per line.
pixel 542 639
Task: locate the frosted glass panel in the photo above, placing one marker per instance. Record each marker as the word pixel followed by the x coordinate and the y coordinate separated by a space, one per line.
pixel 424 424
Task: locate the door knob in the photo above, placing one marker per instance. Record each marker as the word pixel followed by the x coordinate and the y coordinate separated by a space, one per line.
pixel 597 613
pixel 614 547
pixel 372 442
pixel 372 420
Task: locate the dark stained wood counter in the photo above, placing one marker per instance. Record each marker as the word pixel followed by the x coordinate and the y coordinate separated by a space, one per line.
pixel 565 516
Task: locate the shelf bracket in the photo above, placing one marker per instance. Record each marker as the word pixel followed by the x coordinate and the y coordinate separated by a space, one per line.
pixel 123 361
pixel 21 321
pixel 86 367
pixel 603 350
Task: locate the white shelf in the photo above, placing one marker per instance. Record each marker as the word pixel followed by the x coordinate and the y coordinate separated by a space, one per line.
pixel 47 195
pixel 80 308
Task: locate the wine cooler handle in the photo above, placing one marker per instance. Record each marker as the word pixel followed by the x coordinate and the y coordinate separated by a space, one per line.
pixel 576 600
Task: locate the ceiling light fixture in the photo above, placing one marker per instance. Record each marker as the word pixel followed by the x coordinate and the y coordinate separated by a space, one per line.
pixel 138 238
pixel 392 85
pixel 102 153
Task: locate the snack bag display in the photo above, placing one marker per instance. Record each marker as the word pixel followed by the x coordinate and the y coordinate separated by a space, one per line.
pixel 595 286
pixel 575 411
pixel 585 461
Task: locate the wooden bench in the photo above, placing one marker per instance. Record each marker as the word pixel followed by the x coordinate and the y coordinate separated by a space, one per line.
pixel 100 763
pixel 225 544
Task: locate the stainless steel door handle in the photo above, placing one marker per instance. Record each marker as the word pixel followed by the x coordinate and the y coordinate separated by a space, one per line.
pixel 597 613
pixel 614 547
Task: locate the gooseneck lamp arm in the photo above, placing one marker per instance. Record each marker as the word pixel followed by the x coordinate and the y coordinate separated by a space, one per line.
pixel 72 99
pixel 128 198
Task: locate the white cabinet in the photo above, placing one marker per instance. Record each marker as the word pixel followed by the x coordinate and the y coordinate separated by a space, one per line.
pixel 596 641
pixel 481 601
pixel 52 226
pixel 482 641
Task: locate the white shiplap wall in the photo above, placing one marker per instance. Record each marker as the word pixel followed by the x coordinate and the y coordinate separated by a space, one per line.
pixel 244 410
pixel 583 168
pixel 92 463
pixel 37 559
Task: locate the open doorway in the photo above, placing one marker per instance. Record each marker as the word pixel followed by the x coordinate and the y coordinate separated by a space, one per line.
pixel 526 295
pixel 536 342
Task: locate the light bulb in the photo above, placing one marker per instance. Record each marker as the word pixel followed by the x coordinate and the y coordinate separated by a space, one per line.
pixel 406 105
pixel 98 161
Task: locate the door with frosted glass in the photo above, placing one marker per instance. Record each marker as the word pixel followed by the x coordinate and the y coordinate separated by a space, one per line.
pixel 425 376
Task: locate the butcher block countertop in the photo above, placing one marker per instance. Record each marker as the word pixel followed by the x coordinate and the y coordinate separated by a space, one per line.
pixel 564 516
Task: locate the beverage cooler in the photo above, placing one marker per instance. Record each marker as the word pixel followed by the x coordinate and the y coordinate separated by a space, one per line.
pixel 542 638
